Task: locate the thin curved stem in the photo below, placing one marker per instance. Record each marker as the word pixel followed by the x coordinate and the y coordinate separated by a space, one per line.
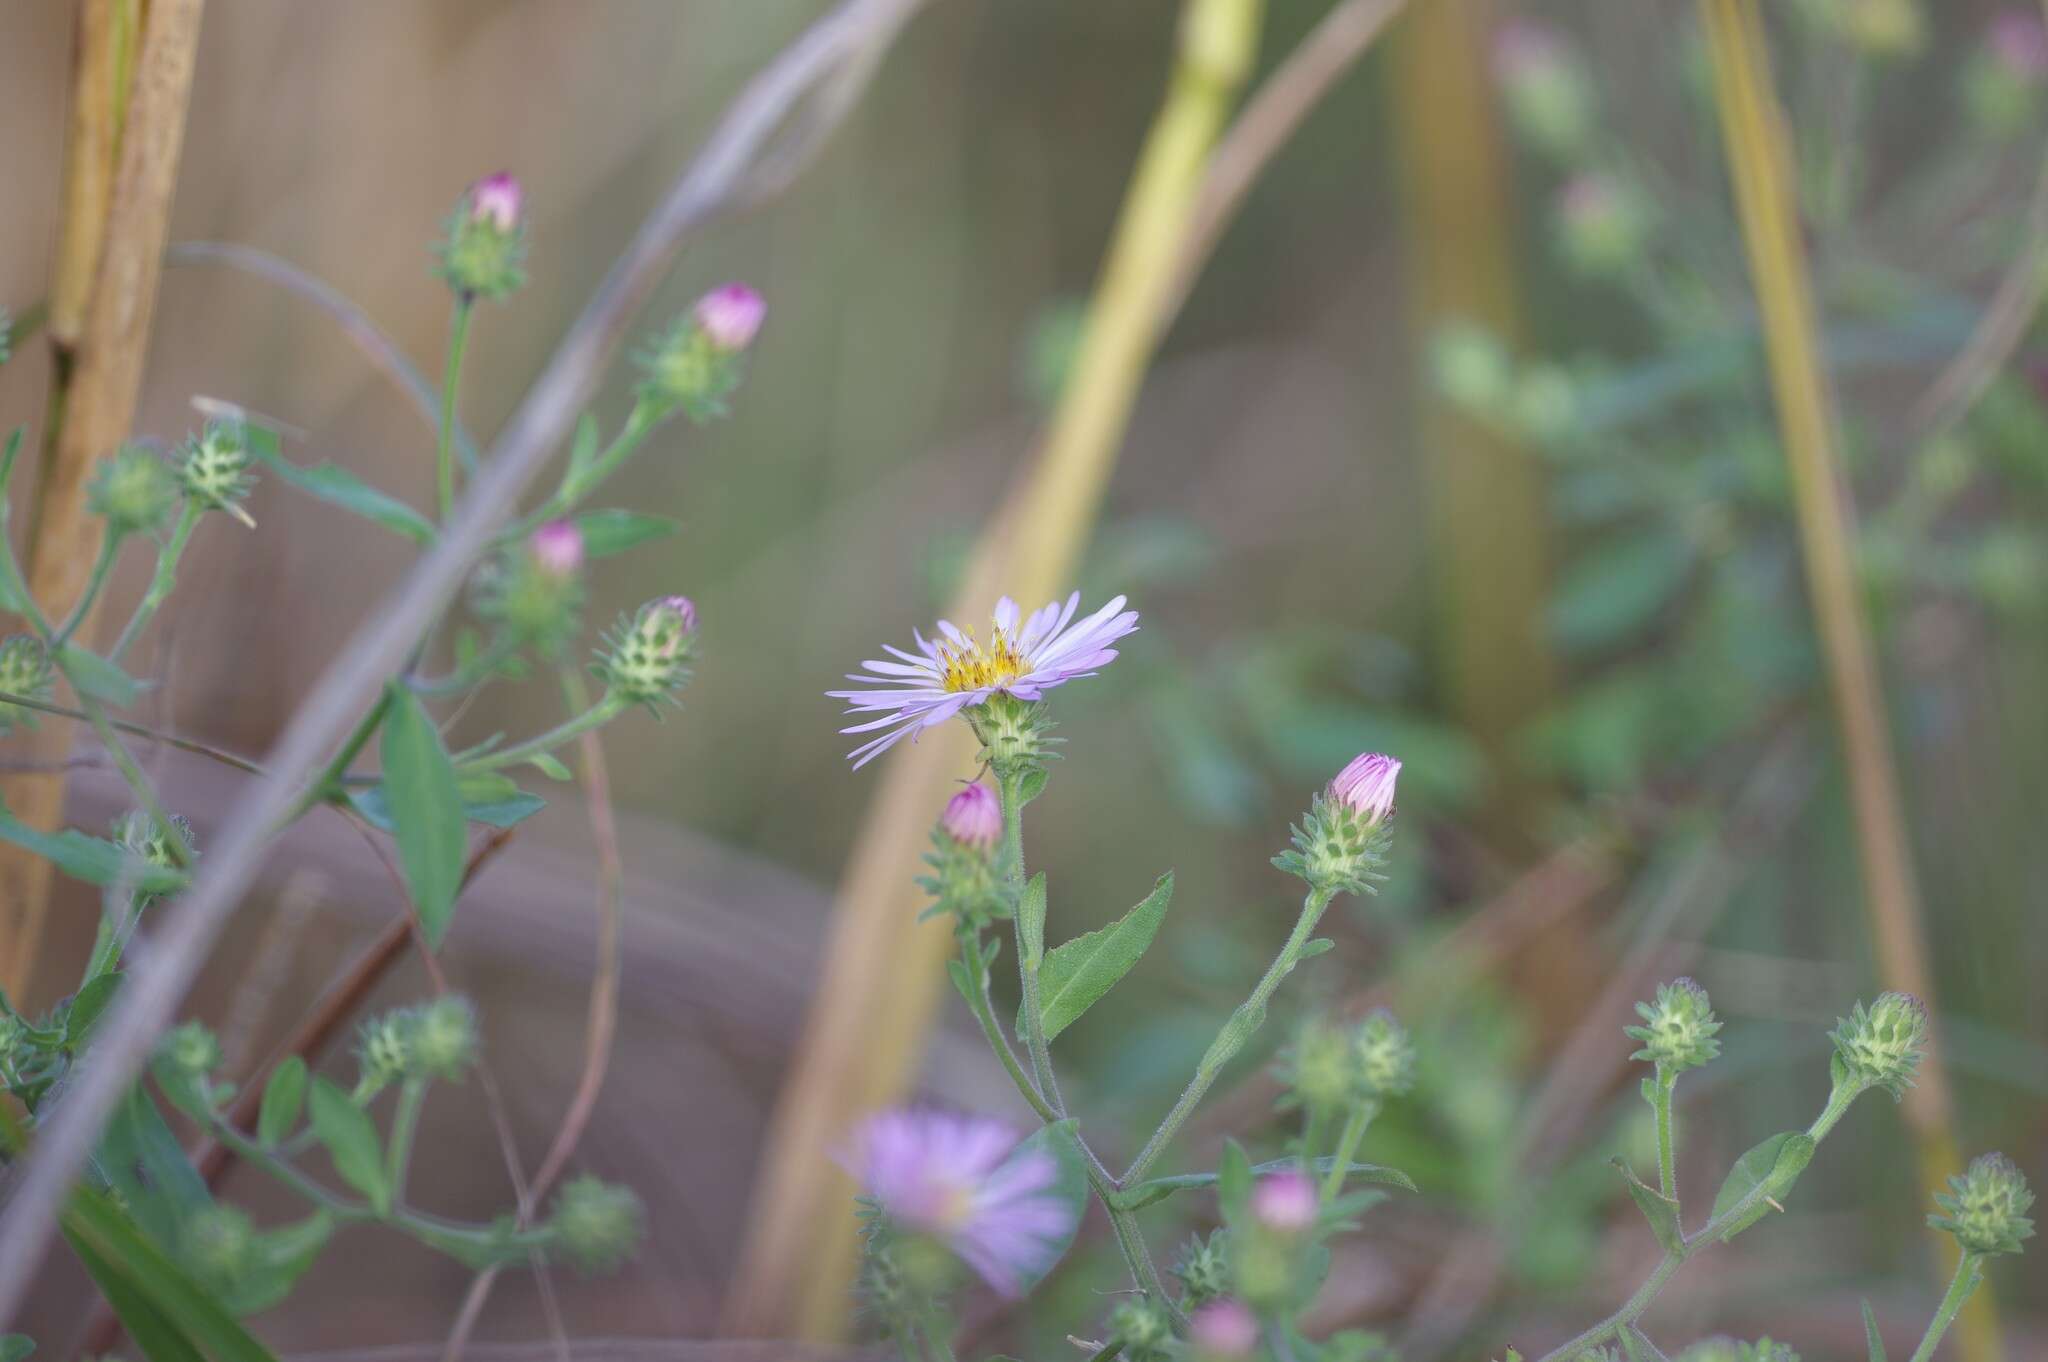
pixel 451 384
pixel 155 735
pixel 1959 1288
pixel 165 577
pixel 603 712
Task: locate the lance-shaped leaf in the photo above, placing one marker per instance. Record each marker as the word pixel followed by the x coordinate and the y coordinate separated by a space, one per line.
pixel 94 676
pixel 1660 1210
pixel 351 1141
pixel 426 810
pixel 1759 1178
pixel 1031 921
pixel 284 1096
pixel 1077 973
pixel 92 859
pixel 1871 1335
pixel 608 532
pixel 338 487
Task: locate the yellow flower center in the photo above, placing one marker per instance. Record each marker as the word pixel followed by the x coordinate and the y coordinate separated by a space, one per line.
pixel 976 665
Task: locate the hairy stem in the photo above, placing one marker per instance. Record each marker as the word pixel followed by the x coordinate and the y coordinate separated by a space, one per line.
pixel 603 712
pixel 1347 1148
pixel 451 383
pixel 1667 1163
pixel 1959 1288
pixel 1031 1022
pixel 165 578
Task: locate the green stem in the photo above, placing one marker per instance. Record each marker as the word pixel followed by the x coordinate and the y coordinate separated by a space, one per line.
pixel 405 1124
pixel 131 771
pixel 1667 1165
pixel 154 735
pixel 579 483
pixel 1347 1148
pixel 1031 1022
pixel 1236 1031
pixel 323 785
pixel 978 1002
pixel 1959 1289
pixel 110 546
pixel 935 1330
pixel 451 381
pixel 604 711
pixel 479 668
pixel 1313 1130
pixel 166 577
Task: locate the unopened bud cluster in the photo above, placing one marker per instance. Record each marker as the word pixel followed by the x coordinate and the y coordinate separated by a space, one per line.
pixel 435 1040
pixel 133 491
pixel 695 365
pixel 25 671
pixel 646 658
pixel 1386 1056
pixel 213 466
pixel 597 1225
pixel 1332 1067
pixel 1142 1328
pixel 138 833
pixel 1203 1269
pixel 483 250
pixel 2005 82
pixel 1678 1028
pixel 1879 1046
pixel 1602 223
pixel 1986 1206
pixel 963 881
pixel 1342 841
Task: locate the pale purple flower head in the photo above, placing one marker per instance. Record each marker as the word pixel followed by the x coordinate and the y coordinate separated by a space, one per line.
pixel 2019 42
pixel 974 817
pixel 496 199
pixel 558 547
pixel 1022 657
pixel 953 1178
pixel 730 316
pixel 1224 1329
pixel 1366 785
pixel 1285 1201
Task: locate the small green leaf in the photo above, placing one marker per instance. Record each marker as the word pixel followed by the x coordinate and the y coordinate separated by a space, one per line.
pixel 488 798
pixel 1660 1210
pixel 92 859
pixel 1636 1344
pixel 550 765
pixel 284 1096
pixel 1765 1174
pixel 16 1347
pixel 87 1008
pixel 1069 1189
pixel 1077 973
pixel 93 676
pixel 1618 586
pixel 1317 946
pixel 609 532
pixel 144 1165
pixel 426 810
pixel 1032 786
pixel 338 487
pixel 1031 921
pixel 1153 1190
pixel 282 1256
pixel 351 1141
pixel 1871 1335
pixel 584 448
pixel 1233 1179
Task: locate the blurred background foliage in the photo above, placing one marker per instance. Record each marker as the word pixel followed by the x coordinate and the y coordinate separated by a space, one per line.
pixel 1678 801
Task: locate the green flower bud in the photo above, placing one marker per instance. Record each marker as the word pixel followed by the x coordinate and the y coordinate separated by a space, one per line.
pixel 213 468
pixel 1386 1056
pixel 1472 367
pixel 1143 1329
pixel 483 246
pixel 1341 843
pixel 1016 735
pixel 1602 223
pixel 596 1224
pixel 217 1244
pixel 139 835
pixel 384 1050
pixel 696 364
pixel 963 880
pixel 1204 1269
pixel 648 655
pixel 25 671
pixel 1986 1206
pixel 534 589
pixel 442 1040
pixel 1321 1069
pixel 134 491
pixel 1879 1047
pixel 1678 1030
pixel 191 1049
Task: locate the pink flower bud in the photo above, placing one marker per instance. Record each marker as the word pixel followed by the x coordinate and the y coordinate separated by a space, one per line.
pixel 973 817
pixel 2019 42
pixel 1366 786
pixel 730 316
pixel 496 199
pixel 1285 1202
pixel 558 547
pixel 685 610
pixel 1224 1329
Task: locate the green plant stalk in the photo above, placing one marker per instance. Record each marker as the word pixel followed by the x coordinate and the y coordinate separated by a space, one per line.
pixel 1031 1017
pixel 131 771
pixel 110 548
pixel 165 578
pixel 1959 1288
pixel 984 1012
pixel 935 1331
pixel 1248 1017
pixel 405 1125
pixel 1660 1101
pixel 476 671
pixel 324 785
pixel 1347 1148
pixel 451 383
pixel 578 483
pixel 155 735
pixel 609 707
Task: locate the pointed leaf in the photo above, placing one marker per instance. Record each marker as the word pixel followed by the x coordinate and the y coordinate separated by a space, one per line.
pixel 144 1164
pixel 1765 1174
pixel 1079 972
pixel 282 1256
pixel 1636 1344
pixel 92 859
pixel 1233 1183
pixel 338 487
pixel 156 1336
pixel 1871 1335
pixel 351 1141
pixel 284 1096
pixel 1660 1210
pixel 87 1008
pixel 92 675
pixel 1031 921
pixel 609 532
pixel 488 797
pixel 426 810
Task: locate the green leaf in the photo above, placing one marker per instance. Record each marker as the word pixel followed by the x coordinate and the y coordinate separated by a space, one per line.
pixel 1765 1174
pixel 1079 972
pixel 584 448
pixel 92 859
pixel 1637 1345
pixel 1320 945
pixel 1031 921
pixel 1871 1335
pixel 282 1256
pixel 93 676
pixel 158 1295
pixel 144 1164
pixel 426 810
pixel 609 532
pixel 351 1141
pixel 87 1008
pixel 550 765
pixel 1660 1210
pixel 1618 586
pixel 1069 1187
pixel 488 797
pixel 16 1347
pixel 338 487
pixel 1153 1190
pixel 1032 786
pixel 284 1096
pixel 1233 1179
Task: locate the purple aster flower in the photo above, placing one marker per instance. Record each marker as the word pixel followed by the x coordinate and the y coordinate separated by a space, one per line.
pixel 1224 1328
pixel 496 199
pixel 1024 658
pixel 974 817
pixel 953 1178
pixel 730 316
pixel 558 547
pixel 1285 1202
pixel 1366 785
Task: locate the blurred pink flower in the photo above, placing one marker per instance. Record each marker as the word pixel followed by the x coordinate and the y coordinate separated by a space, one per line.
pixel 1224 1329
pixel 1024 659
pixel 496 199
pixel 974 816
pixel 1366 785
pixel 953 1178
pixel 558 547
pixel 2019 41
pixel 730 316
pixel 1285 1201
